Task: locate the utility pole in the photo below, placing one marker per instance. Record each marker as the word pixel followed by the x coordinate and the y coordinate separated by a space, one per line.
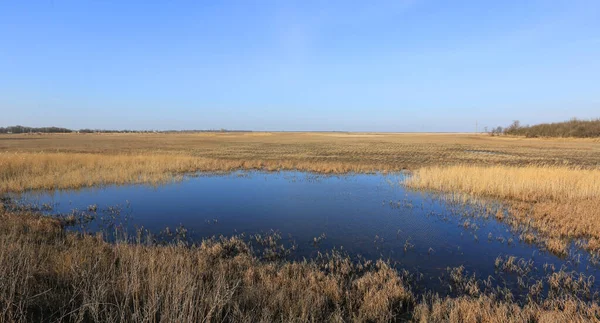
pixel 476 126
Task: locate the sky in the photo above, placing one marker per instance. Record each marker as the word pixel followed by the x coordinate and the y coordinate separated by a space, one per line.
pixel 398 66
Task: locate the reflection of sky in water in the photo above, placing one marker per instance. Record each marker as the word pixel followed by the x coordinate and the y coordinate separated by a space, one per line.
pixel 370 215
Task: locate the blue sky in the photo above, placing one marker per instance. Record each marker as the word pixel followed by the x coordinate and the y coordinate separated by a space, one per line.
pixel 298 65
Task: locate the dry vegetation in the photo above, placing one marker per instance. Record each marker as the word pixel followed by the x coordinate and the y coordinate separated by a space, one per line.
pixel 528 184
pixel 50 275
pixel 30 171
pixel 560 202
pixel 47 274
pixel 76 160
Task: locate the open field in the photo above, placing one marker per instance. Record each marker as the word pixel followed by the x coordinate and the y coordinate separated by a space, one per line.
pixel 376 151
pixel 75 160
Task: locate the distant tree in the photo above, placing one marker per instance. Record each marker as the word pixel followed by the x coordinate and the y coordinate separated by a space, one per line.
pixel 496 131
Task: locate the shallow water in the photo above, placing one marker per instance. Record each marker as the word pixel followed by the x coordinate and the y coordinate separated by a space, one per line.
pixel 371 215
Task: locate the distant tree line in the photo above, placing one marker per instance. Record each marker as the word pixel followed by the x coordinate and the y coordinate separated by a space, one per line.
pixel 572 128
pixel 23 129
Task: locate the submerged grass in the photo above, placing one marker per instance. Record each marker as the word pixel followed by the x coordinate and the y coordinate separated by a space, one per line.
pixel 559 202
pixel 48 274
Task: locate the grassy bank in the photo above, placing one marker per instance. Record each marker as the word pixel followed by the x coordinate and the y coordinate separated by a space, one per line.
pixel 34 171
pixel 560 202
pixel 47 274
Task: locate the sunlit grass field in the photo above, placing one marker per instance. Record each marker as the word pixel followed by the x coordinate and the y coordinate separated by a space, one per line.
pixel 76 160
pixel 350 150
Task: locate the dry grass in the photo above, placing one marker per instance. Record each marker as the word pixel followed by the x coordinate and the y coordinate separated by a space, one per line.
pixel 559 202
pixel 375 151
pixel 528 184
pixel 33 171
pixel 489 309
pixel 76 160
pixel 27 171
pixel 47 274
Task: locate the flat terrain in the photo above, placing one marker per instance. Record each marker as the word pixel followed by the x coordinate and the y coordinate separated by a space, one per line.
pixel 341 151
pixel 550 186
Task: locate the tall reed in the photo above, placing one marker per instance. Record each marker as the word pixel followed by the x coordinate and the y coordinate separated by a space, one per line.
pixel 529 183
pixel 559 202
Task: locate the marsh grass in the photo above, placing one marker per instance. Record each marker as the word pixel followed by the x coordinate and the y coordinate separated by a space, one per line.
pixel 76 160
pixel 47 171
pixel 32 171
pixel 48 274
pixel 528 184
pixel 560 203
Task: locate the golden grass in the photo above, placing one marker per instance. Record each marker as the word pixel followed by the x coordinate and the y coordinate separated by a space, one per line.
pixel 374 150
pixel 77 160
pixel 34 171
pixel 47 274
pixel 488 309
pixel 559 202
pixel 27 171
pixel 529 183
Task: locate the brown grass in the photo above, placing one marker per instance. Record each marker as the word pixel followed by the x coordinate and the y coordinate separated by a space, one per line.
pixel 76 160
pixel 47 274
pixel 489 309
pixel 27 171
pixel 33 171
pixel 560 202
pixel 375 151
pixel 528 184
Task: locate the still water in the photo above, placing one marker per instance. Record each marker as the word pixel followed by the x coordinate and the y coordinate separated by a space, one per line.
pixel 371 215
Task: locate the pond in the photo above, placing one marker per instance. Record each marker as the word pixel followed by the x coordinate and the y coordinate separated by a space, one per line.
pixel 371 215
